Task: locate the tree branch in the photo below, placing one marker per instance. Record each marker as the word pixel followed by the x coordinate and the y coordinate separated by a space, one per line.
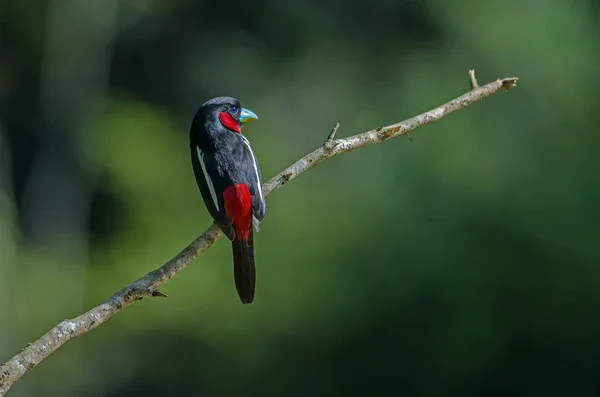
pixel 472 79
pixel 34 353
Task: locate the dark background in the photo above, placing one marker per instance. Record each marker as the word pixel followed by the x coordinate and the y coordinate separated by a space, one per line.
pixel 465 263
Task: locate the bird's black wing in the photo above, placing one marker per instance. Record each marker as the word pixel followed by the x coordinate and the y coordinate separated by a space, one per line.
pixel 254 180
pixel 205 170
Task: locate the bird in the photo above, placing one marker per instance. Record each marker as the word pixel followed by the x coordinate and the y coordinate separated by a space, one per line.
pixel 229 179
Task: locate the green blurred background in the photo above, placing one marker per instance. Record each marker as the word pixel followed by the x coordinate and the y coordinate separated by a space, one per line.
pixel 465 263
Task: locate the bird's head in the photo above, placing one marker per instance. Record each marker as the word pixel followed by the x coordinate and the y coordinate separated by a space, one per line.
pixel 229 112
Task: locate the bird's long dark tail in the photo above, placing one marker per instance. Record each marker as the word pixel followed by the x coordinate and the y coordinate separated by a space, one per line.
pixel 243 267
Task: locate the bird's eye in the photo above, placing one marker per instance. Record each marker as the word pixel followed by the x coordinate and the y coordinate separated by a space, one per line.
pixel 233 109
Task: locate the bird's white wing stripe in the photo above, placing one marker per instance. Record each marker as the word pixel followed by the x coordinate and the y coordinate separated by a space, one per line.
pixel 260 192
pixel 213 194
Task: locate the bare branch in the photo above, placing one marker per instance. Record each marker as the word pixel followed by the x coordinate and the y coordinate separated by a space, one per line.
pixel 34 353
pixel 472 79
pixel 159 294
pixel 332 134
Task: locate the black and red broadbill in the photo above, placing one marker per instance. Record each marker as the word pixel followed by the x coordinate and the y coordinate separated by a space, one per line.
pixel 229 179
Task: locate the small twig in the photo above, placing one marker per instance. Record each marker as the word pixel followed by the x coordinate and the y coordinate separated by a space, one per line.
pixel 36 352
pixel 159 294
pixel 331 135
pixel 472 79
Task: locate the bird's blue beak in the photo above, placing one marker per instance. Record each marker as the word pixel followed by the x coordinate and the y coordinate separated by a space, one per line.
pixel 247 115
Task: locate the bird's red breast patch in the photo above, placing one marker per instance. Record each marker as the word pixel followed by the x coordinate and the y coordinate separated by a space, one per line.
pixel 229 122
pixel 238 207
